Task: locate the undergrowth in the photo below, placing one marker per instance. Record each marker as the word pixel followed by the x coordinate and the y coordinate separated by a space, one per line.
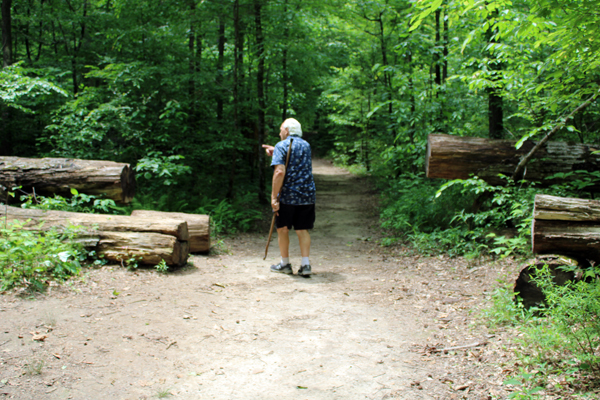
pixel 466 217
pixel 559 342
pixel 31 260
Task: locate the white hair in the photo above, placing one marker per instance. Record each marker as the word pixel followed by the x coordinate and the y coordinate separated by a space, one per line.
pixel 293 126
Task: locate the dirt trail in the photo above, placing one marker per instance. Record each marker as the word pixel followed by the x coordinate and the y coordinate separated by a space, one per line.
pixel 227 328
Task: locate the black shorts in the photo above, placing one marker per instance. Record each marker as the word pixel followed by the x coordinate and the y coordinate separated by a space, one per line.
pixel 300 217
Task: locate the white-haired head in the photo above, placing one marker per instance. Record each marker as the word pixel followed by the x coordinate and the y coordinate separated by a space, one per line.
pixel 293 126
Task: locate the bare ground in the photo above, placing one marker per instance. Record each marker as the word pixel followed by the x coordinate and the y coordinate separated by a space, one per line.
pixel 371 323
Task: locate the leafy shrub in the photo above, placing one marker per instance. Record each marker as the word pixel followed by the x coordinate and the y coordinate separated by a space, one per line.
pixel 573 317
pixel 229 217
pixel 560 342
pixel 29 259
pixel 79 202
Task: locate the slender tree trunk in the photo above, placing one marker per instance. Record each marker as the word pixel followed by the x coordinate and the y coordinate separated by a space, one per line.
pixel 261 99
pixel 6 33
pixel 192 66
pixel 445 51
pixel 495 106
pixel 41 33
pixel 26 30
pixel 220 68
pixel 436 54
pixel 5 116
pixel 411 90
pixel 286 34
pixel 236 93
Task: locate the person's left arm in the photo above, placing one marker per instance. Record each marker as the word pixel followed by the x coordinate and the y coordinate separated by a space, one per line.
pixel 278 176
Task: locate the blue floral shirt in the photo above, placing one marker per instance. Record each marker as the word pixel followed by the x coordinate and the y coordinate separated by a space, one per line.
pixel 299 185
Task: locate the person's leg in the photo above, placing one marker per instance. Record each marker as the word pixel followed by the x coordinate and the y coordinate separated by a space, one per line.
pixel 283 238
pixel 304 241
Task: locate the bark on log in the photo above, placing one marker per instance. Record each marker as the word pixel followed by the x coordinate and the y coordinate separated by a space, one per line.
pixel 565 209
pixel 198 227
pixel 117 237
pixel 455 157
pixel 567 226
pixel 58 175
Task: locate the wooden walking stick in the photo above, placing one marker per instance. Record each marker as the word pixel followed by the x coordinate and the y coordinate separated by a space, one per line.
pixel 287 161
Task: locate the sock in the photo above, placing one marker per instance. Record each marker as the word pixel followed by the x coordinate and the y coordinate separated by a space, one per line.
pixel 285 261
pixel 304 261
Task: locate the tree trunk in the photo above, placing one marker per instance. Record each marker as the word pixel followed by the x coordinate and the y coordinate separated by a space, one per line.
pixel 58 175
pixel 116 237
pixel 221 69
pixel 567 226
pixel 260 78
pixel 445 44
pixel 198 227
pixel 495 105
pixel 6 33
pixel 192 69
pixel 436 54
pixel 455 157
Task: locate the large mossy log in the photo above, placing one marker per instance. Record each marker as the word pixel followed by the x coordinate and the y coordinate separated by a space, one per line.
pixel 58 175
pixel 198 227
pixel 567 226
pixel 456 157
pixel 116 237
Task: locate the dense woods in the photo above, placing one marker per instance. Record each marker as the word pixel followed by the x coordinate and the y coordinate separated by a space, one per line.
pixel 187 91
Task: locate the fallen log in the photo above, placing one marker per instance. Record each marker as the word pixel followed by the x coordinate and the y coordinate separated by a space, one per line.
pixel 567 226
pixel 116 237
pixel 455 157
pixel 556 208
pixel 148 248
pixel 110 179
pixel 529 292
pixel 198 227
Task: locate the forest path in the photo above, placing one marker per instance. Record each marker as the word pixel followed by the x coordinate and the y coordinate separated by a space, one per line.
pixel 228 328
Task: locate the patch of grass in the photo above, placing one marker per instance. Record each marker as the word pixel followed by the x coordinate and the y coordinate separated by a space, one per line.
pixel 34 367
pixel 163 393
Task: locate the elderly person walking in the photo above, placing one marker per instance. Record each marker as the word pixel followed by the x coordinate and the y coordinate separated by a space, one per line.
pixel 295 207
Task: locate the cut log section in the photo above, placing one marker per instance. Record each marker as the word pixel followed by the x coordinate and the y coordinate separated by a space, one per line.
pixel 58 175
pixel 198 227
pixel 149 248
pixel 455 157
pixel 525 286
pixel 117 237
pixel 567 226
pixel 566 209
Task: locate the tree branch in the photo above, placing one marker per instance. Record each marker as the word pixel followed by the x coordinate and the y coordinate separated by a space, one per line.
pixel 542 142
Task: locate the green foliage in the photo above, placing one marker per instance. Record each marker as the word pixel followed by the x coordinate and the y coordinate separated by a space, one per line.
pixel 573 312
pixel 162 267
pixel 503 310
pixel 230 217
pixel 156 167
pixel 31 260
pixel 79 202
pixel 19 90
